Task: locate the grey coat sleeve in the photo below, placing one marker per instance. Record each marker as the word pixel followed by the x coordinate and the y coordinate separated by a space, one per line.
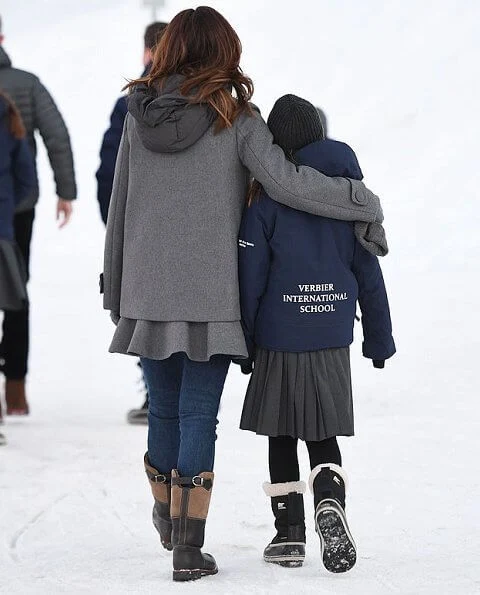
pixel 49 122
pixel 372 237
pixel 302 188
pixel 113 255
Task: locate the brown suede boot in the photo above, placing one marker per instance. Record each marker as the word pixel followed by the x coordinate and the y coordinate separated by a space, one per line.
pixel 161 490
pixel 189 510
pixel 16 398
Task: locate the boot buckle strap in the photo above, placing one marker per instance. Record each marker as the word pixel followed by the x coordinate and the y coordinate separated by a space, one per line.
pixel 160 478
pixel 196 481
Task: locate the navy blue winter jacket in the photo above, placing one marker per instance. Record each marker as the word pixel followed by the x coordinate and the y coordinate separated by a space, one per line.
pixel 108 156
pixel 108 153
pixel 17 174
pixel 301 275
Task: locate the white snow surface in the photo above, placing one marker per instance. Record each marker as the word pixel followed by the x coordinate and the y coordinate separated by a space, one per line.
pixel 399 82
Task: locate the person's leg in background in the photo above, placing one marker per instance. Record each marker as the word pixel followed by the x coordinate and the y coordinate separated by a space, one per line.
pixel 286 491
pixel 139 416
pixel 164 381
pixel 192 481
pixel 328 484
pixel 14 348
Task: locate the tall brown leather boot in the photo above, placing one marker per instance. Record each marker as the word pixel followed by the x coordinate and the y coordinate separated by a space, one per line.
pixel 189 510
pixel 161 490
pixel 16 398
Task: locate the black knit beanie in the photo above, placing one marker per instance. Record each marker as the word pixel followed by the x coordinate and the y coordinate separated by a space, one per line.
pixel 294 123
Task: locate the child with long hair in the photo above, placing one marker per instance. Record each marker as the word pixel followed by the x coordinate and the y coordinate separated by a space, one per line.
pixel 300 279
pixel 17 179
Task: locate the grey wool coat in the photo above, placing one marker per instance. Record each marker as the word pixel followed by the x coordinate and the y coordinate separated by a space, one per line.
pixel 178 195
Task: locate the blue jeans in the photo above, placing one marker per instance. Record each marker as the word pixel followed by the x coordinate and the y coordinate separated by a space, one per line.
pixel 184 397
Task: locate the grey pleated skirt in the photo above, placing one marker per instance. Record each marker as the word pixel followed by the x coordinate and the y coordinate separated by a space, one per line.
pixel 13 277
pixel 302 395
pixel 159 340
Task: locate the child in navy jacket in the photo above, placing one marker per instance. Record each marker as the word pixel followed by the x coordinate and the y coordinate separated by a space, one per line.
pixel 17 179
pixel 300 279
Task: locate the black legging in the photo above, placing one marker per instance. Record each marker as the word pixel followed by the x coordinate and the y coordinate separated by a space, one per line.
pixel 283 459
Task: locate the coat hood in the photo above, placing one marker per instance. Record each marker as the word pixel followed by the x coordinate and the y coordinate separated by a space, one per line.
pixel 5 61
pixel 332 158
pixel 167 122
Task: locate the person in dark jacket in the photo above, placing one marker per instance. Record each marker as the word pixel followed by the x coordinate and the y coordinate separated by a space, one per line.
pixel 113 135
pixel 301 277
pixel 108 158
pixel 39 113
pixel 17 180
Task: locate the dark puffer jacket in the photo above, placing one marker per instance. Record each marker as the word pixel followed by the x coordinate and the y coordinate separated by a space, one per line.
pixel 17 174
pixel 39 112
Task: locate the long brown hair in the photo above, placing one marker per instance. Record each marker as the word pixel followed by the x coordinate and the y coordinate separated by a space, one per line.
pixel 15 122
pixel 253 192
pixel 255 188
pixel 202 46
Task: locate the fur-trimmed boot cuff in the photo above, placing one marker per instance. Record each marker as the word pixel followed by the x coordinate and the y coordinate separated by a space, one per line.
pixel 273 490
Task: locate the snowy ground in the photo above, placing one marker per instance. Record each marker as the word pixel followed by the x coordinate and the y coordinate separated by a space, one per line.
pixel 399 82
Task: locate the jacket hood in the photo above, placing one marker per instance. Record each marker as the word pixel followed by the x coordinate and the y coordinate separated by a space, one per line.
pixel 5 61
pixel 166 121
pixel 332 158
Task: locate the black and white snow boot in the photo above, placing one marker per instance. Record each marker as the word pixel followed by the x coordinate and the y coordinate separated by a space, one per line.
pixel 328 483
pixel 287 548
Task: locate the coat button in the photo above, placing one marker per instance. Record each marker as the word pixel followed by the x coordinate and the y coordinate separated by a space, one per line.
pixel 360 197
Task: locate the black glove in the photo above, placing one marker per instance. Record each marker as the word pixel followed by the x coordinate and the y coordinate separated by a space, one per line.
pixel 246 366
pixel 378 363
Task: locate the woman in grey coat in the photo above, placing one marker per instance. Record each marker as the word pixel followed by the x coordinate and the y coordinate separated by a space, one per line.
pixel 190 144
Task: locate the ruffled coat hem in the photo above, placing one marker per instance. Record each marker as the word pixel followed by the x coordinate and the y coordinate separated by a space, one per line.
pixel 159 340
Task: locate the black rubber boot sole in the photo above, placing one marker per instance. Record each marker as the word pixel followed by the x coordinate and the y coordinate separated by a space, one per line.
pixel 192 575
pixel 190 564
pixel 338 549
pixel 288 554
